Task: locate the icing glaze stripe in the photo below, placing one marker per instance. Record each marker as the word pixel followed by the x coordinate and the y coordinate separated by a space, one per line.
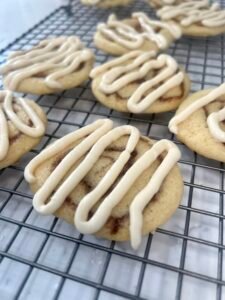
pixel 100 126
pixel 6 109
pixel 192 12
pixel 92 2
pixel 213 122
pixel 38 128
pixel 4 135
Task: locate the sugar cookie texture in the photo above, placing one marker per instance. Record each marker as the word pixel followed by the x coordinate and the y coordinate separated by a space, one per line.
pixel 118 37
pixel 106 3
pixel 199 123
pixel 53 65
pixel 197 18
pixel 140 82
pixel 22 125
pixel 108 181
pixel 161 3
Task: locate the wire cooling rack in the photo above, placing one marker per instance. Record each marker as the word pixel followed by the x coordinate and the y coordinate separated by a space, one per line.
pixel 45 258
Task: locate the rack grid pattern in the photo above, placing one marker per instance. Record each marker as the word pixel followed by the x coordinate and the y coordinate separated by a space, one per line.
pixel 45 258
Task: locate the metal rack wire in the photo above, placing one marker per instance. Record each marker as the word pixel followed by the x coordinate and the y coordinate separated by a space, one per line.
pixel 45 258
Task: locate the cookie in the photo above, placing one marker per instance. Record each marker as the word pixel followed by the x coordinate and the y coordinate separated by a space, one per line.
pixel 161 3
pixel 51 66
pixel 199 123
pixel 106 3
pixel 114 183
pixel 140 82
pixel 196 18
pixel 137 33
pixel 22 125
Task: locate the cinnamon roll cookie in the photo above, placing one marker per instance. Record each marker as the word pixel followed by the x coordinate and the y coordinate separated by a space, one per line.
pixel 51 66
pixel 137 33
pixel 161 3
pixel 108 181
pixel 199 123
pixel 106 3
pixel 22 125
pixel 140 82
pixel 196 18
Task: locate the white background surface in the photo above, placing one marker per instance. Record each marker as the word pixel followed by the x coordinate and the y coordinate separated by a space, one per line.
pixel 16 16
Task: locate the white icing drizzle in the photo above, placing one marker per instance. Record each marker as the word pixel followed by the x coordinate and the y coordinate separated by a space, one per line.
pixel 149 32
pixel 213 119
pixel 121 33
pixel 194 11
pixel 59 56
pixel 128 37
pixel 4 138
pixel 97 137
pixel 96 2
pixel 99 128
pixel 118 74
pixel 168 1
pixel 6 109
pixel 91 2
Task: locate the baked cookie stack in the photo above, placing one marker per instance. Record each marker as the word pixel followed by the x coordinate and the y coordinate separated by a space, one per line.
pixel 106 180
pixel 85 177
